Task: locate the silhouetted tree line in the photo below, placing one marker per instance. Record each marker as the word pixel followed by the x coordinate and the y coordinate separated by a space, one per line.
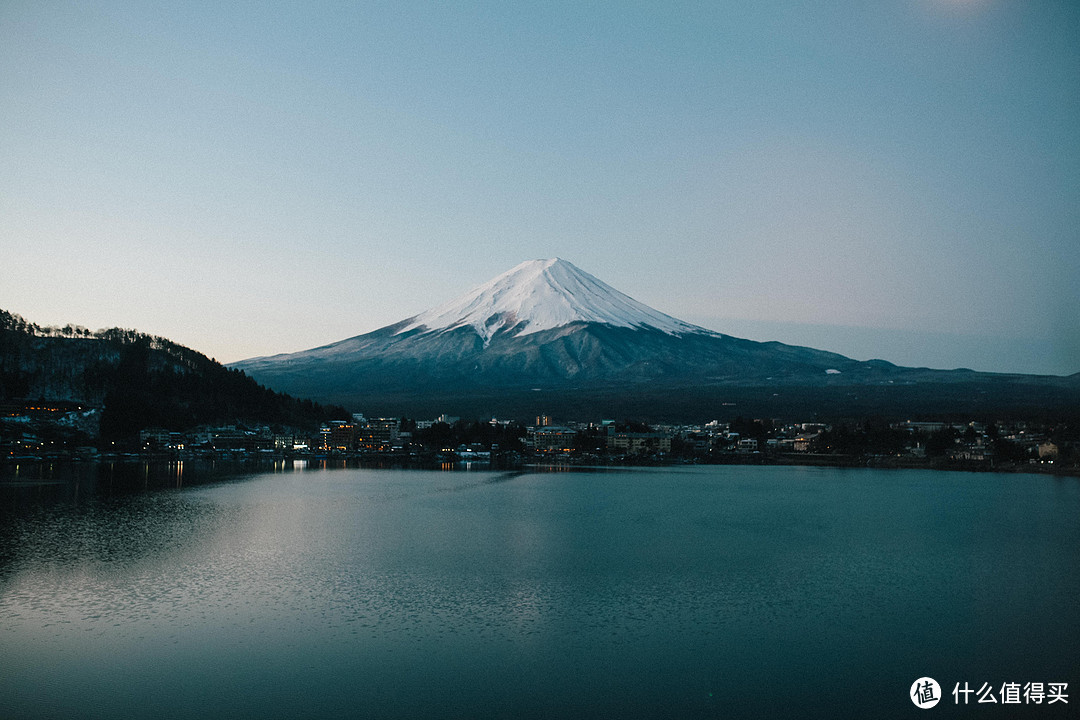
pixel 872 436
pixel 17 323
pixel 756 429
pixel 468 432
pixel 145 381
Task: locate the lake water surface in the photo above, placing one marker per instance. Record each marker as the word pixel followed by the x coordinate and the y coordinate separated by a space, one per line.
pixel 670 592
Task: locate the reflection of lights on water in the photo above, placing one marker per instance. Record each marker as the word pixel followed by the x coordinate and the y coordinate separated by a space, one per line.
pixel 294 465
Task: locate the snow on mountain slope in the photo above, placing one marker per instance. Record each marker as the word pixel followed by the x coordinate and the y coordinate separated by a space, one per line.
pixel 549 332
pixel 542 295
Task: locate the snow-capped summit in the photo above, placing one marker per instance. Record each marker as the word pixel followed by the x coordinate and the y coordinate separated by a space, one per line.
pixel 546 333
pixel 542 295
pixel 543 326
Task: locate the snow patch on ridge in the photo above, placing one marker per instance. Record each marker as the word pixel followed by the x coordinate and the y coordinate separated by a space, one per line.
pixel 542 295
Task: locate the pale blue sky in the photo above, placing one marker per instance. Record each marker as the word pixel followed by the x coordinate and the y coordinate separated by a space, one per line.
pixel 882 179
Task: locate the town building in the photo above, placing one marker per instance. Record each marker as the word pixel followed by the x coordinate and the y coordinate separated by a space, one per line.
pixel 550 439
pixel 638 443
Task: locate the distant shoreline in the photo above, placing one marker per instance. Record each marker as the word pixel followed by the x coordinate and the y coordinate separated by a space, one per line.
pixel 510 461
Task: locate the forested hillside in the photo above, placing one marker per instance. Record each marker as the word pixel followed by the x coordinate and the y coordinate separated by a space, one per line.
pixel 136 380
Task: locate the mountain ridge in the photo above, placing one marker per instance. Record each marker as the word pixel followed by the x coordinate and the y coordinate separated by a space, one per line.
pixel 546 326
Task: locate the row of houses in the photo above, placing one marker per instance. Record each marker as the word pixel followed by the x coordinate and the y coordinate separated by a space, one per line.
pixel 565 439
pixel 356 435
pixel 971 442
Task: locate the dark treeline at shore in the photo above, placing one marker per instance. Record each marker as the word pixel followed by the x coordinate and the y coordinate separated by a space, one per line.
pixel 126 381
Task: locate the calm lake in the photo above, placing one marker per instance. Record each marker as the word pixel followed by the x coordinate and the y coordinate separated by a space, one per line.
pixel 628 593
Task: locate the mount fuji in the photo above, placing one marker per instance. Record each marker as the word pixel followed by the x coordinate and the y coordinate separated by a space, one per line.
pixel 548 336
pixel 544 295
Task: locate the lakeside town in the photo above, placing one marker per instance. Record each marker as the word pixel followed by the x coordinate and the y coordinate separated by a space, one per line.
pixel 35 432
